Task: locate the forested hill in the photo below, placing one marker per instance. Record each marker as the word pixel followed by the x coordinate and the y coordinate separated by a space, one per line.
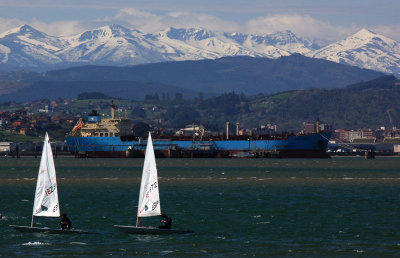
pixel 365 105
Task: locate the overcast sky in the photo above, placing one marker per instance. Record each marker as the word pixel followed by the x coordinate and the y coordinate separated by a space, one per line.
pixel 312 19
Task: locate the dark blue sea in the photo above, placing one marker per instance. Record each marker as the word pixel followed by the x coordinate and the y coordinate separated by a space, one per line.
pixel 250 207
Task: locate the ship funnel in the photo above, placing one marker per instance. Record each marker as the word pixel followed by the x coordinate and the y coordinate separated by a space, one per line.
pixel 112 109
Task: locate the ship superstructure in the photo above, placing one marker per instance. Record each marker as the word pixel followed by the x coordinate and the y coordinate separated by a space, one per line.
pixel 102 127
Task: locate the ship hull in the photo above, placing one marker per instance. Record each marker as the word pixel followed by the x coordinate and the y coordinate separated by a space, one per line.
pixel 300 146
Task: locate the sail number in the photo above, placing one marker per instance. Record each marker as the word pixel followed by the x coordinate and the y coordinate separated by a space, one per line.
pixel 155 204
pixel 153 186
pixel 55 208
pixel 50 190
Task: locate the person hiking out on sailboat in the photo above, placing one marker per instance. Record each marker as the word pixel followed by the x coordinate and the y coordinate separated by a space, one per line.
pixel 167 220
pixel 65 222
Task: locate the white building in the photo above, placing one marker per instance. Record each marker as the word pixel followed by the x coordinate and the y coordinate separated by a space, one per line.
pixel 5 147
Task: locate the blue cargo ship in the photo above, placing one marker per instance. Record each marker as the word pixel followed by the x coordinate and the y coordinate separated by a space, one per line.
pixel 111 137
pixel 295 146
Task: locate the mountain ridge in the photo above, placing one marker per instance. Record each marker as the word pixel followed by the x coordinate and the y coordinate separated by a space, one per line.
pixel 27 48
pixel 241 74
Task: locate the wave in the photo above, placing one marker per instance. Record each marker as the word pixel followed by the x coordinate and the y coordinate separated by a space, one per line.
pixel 35 243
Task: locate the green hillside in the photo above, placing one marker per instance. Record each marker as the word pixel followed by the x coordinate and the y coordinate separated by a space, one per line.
pixel 15 137
pixel 364 105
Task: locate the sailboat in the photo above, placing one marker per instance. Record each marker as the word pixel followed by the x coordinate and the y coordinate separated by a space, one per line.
pixel 149 198
pixel 46 195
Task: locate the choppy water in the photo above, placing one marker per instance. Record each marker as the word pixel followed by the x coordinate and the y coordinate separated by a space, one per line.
pixel 266 207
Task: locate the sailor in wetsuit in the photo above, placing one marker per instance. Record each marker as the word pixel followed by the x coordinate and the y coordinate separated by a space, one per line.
pixel 167 220
pixel 65 222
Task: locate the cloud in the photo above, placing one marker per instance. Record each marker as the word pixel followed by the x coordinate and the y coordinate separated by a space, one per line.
pixel 313 29
pixel 390 31
pixel 149 22
pixel 58 28
pixel 186 19
pixel 7 24
pixel 302 25
pixel 134 19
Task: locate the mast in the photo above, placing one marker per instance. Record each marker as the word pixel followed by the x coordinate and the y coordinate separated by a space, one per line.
pixel 227 130
pixel 44 150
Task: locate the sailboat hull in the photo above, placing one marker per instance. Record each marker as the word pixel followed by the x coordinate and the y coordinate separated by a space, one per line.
pixel 151 230
pixel 27 229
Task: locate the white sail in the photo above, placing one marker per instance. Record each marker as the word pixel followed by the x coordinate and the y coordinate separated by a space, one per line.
pixel 149 198
pixel 46 195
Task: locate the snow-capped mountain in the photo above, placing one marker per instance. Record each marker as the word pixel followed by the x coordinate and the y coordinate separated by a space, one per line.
pixel 364 49
pixel 111 44
pixel 28 48
pixel 276 44
pixel 201 44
